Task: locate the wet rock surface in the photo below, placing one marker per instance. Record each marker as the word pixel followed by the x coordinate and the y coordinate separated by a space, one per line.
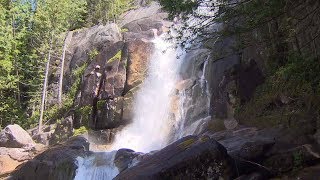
pixel 189 158
pixel 124 158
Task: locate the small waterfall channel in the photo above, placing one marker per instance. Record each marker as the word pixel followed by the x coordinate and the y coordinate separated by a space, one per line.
pixel 186 98
pixel 151 126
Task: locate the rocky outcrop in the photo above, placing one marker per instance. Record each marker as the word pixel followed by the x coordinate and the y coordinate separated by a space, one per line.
pixel 99 53
pixel 124 158
pixel 189 158
pixel 214 84
pixel 108 63
pixel 58 162
pixel 267 153
pixel 108 43
pixel 139 53
pixel 146 11
pixel 16 147
pixel 10 158
pixel 51 134
pixel 13 136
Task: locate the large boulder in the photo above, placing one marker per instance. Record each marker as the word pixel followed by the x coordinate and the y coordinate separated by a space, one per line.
pixel 10 158
pixel 13 136
pixel 188 158
pixel 55 163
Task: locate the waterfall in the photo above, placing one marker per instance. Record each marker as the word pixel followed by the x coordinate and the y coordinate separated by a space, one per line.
pixel 185 100
pixel 180 123
pixel 100 165
pixel 204 83
pixel 151 125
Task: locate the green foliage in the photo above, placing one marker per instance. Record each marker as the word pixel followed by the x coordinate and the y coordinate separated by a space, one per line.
pixel 298 80
pixel 14 18
pixel 56 111
pixel 101 12
pixel 84 112
pixel 270 26
pixel 29 30
pixel 116 57
pixel 239 19
pixel 124 30
pixel 77 76
pixel 187 143
pixel 101 104
pixel 93 54
pixel 178 7
pixel 80 131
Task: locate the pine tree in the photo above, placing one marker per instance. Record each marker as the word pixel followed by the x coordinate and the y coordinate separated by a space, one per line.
pixel 14 19
pixel 53 17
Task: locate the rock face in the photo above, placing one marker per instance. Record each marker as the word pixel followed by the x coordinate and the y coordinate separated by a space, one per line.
pixel 10 158
pixel 109 63
pixel 99 50
pixel 56 163
pixel 104 66
pixel 212 85
pixel 267 153
pixel 16 147
pixel 124 158
pixel 53 133
pixel 150 11
pixel 189 158
pixel 139 55
pixel 13 136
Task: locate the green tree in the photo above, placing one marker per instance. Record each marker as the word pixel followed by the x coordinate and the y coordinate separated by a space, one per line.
pixel 14 21
pixel 104 11
pixel 52 18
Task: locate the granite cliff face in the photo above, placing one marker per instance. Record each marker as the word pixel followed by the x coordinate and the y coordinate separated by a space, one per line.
pixel 105 65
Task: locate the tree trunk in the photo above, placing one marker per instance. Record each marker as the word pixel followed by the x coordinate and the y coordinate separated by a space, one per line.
pixel 66 42
pixel 45 83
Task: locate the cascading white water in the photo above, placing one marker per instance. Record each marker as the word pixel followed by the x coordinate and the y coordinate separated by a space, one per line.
pixel 182 129
pixel 179 126
pixel 98 166
pixel 204 83
pixel 151 124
